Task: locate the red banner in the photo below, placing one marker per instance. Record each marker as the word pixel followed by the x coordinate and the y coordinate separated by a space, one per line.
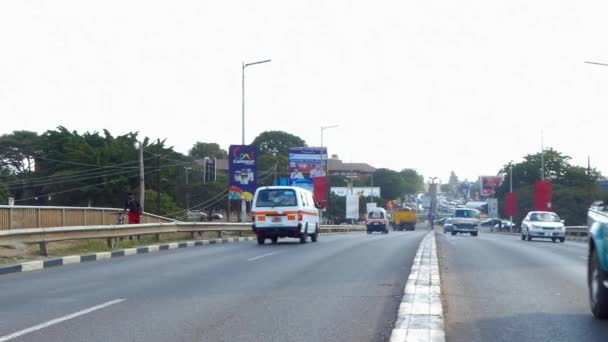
pixel 511 204
pixel 543 193
pixel 321 190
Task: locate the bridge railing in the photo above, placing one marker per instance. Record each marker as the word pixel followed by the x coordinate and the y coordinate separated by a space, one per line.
pixel 24 217
pixel 44 236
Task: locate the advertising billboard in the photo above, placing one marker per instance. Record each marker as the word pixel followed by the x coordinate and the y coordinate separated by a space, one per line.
pixel 361 191
pixel 543 192
pixel 511 204
pixel 308 170
pixel 243 171
pixel 493 208
pixel 488 184
pixel 352 207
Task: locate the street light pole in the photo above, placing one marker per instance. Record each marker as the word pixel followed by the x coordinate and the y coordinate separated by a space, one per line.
pixel 245 65
pixel 511 190
pixel 323 128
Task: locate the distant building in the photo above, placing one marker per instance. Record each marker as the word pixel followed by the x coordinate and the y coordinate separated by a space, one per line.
pixel 359 171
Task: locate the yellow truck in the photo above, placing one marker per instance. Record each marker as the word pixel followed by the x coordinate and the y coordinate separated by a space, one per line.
pixel 405 218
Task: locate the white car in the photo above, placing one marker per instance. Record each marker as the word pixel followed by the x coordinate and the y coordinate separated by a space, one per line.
pixel 543 224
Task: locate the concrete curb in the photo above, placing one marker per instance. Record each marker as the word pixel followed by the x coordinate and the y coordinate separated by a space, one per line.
pixel 420 316
pixel 78 259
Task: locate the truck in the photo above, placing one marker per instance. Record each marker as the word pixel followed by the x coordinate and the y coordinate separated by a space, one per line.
pixel 597 262
pixel 405 218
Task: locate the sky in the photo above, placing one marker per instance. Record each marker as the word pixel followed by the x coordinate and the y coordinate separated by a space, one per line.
pixel 432 85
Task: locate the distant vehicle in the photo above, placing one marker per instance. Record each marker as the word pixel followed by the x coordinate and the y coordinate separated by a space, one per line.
pixel 284 211
pixel 448 225
pixel 377 221
pixel 597 266
pixel 465 221
pixel 490 222
pixel 405 219
pixel 441 221
pixel 217 217
pixel 543 224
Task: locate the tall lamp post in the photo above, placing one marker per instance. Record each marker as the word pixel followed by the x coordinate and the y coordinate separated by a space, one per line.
pixel 245 65
pixel 433 191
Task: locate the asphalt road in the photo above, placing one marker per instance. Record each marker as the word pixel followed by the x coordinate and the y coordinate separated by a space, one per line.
pixel 343 288
pixel 499 288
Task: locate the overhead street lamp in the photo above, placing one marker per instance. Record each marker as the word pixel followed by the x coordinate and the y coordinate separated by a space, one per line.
pixel 245 65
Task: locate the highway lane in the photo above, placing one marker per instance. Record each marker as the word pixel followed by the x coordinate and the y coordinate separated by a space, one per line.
pixel 343 288
pixel 499 288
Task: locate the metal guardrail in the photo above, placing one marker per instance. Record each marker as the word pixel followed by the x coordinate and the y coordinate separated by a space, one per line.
pixel 43 236
pixel 25 216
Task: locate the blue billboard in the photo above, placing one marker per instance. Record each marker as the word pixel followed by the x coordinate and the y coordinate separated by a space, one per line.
pixel 243 171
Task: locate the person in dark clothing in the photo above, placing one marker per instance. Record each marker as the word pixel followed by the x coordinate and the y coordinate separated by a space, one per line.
pixel 134 209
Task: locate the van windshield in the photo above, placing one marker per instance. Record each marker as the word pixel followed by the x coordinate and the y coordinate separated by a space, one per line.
pixel 375 215
pixel 465 213
pixel 276 198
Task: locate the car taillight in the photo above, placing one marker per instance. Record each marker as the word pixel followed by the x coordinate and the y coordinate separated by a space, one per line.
pixel 300 217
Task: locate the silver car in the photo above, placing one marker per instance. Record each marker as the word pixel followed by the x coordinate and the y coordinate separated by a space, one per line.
pixel 544 225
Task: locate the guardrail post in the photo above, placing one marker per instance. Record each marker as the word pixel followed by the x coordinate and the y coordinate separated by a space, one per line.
pixel 10 218
pixel 110 242
pixel 220 234
pixel 43 248
pixel 157 237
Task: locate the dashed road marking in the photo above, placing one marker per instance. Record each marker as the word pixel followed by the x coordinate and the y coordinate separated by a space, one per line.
pixel 260 257
pixel 58 320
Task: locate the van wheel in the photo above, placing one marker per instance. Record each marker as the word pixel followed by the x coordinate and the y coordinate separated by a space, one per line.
pixel 598 293
pixel 453 232
pixel 304 236
pixel 261 240
pixel 554 240
pixel 474 234
pixel 528 236
pixel 562 239
pixel 314 237
pixel 274 240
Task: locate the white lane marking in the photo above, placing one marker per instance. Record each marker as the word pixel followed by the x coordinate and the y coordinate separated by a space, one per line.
pixel 256 258
pixel 58 320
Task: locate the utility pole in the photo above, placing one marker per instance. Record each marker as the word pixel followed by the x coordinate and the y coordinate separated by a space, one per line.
pixel 187 168
pixel 142 184
pixel 588 180
pixel 158 179
pixel 511 189
pixel 542 155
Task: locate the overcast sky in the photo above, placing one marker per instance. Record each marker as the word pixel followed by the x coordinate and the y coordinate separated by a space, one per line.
pixel 431 85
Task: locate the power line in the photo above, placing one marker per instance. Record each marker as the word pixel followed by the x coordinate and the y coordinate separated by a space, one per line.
pixel 120 166
pixel 78 179
pixel 76 189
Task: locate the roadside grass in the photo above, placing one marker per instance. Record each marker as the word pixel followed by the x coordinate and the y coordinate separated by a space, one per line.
pixel 79 247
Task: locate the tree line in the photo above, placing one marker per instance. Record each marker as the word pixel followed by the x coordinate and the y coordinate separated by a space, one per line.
pixel 67 168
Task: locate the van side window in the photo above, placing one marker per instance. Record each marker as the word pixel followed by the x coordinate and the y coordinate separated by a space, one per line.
pixel 311 201
pixel 304 199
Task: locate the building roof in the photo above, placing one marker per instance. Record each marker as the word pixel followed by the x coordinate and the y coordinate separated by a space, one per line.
pixel 338 165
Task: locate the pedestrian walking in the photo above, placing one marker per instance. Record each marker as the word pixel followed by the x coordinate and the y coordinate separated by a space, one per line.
pixel 134 209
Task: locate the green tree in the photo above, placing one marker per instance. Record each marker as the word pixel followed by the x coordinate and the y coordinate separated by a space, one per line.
pixel 201 150
pixel 18 151
pixel 390 182
pixel 413 181
pixel 275 143
pixel 573 186
pixel 336 210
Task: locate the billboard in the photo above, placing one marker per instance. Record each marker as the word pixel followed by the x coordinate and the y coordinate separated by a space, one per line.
pixel 543 192
pixel 511 204
pixel 243 171
pixel 352 206
pixel 493 208
pixel 488 184
pixel 361 191
pixel 308 170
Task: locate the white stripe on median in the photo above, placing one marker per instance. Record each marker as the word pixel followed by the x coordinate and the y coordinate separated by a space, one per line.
pixel 59 320
pixel 262 256
pixel 420 316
